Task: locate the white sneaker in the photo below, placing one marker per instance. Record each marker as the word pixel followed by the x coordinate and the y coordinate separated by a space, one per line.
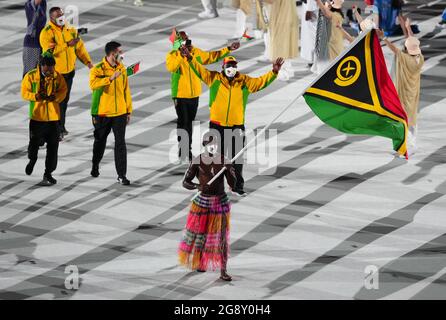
pixel 207 15
pixel 138 3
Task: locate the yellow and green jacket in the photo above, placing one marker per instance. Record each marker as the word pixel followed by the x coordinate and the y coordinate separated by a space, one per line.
pixel 55 39
pixel 227 101
pixel 110 98
pixel 33 83
pixel 184 82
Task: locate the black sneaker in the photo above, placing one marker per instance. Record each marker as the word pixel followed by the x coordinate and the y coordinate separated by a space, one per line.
pixel 95 171
pixel 30 167
pixel 65 132
pixel 48 180
pixel 239 193
pixel 124 181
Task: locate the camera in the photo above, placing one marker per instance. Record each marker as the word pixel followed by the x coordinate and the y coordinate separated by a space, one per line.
pixel 82 31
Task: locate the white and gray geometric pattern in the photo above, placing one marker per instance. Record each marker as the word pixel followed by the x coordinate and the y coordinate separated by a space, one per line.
pixel 335 206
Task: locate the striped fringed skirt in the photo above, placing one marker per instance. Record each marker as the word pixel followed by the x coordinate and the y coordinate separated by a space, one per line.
pixel 205 243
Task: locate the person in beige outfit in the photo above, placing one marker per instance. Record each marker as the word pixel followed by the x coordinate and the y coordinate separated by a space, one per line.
pixel 409 63
pixel 284 34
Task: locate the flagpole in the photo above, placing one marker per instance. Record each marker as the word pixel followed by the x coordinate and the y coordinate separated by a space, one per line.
pixel 361 36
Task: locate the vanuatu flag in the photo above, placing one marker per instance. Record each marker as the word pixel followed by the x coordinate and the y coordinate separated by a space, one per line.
pixel 134 68
pixel 356 94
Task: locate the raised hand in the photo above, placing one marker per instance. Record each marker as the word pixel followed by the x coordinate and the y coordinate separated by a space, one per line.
pixel 115 75
pixel 234 46
pixel 277 65
pixel 407 23
pixel 40 96
pixel 380 33
pixel 185 52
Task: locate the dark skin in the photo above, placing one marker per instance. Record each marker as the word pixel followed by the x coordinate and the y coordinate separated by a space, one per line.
pixel 48 71
pixel 185 37
pixel 277 64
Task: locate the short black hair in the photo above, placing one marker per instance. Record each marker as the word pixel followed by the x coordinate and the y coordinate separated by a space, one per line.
pixel 53 9
pixel 111 46
pixel 47 61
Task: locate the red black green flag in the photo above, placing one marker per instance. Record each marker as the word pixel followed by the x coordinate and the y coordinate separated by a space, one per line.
pixel 357 96
pixel 134 68
pixel 175 39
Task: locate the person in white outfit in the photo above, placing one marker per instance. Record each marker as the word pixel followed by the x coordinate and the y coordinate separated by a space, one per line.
pixel 263 8
pixel 243 8
pixel 309 16
pixel 210 9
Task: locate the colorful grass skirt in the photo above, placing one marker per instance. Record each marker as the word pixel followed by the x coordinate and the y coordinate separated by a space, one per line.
pixel 205 243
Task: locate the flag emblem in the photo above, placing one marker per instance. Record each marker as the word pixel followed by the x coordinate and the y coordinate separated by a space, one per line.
pixel 348 71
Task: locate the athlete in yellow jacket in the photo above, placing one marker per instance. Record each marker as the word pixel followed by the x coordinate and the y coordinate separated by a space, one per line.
pixel 111 108
pixel 45 93
pixel 228 96
pixel 186 87
pixel 64 43
pixel 112 97
pixel 44 88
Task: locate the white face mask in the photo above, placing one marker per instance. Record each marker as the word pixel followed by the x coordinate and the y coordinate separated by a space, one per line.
pixel 119 58
pixel 211 148
pixel 230 72
pixel 60 21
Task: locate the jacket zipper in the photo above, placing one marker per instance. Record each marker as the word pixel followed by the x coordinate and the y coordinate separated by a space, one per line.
pixel 66 51
pixel 116 104
pixel 190 80
pixel 229 104
pixel 47 109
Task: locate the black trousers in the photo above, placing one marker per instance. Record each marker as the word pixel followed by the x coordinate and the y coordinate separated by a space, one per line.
pixel 49 133
pixel 186 111
pixel 64 104
pixel 102 128
pixel 231 148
